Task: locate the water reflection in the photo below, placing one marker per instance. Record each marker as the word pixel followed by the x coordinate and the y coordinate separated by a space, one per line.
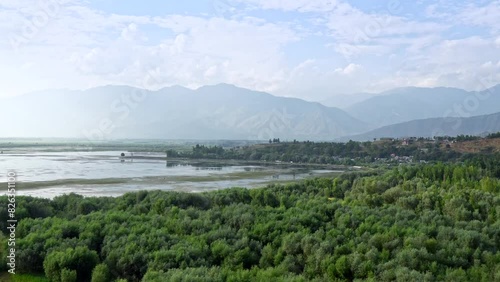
pixel 208 168
pixel 139 172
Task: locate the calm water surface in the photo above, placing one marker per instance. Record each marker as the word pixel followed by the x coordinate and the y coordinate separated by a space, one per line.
pixel 138 174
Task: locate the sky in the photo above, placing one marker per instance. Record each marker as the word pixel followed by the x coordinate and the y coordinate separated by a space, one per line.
pixel 310 49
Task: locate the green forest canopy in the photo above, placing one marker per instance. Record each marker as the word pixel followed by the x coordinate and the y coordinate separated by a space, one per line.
pixel 411 223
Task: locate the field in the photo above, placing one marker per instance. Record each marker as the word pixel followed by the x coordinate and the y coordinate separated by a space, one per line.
pixel 478 146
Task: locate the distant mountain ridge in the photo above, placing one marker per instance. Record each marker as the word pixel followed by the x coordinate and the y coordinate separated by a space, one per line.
pixel 210 112
pixel 413 103
pixel 477 125
pixel 228 112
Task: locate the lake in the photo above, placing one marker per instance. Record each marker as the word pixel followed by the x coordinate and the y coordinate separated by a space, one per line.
pixel 106 173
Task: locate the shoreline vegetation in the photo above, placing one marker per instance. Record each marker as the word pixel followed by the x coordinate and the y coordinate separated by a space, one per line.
pixel 430 215
pixel 425 222
pixel 382 150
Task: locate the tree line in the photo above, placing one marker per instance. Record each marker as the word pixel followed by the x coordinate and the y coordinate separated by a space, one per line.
pixel 349 153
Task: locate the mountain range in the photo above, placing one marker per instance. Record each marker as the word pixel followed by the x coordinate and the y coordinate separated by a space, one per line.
pixel 477 126
pixel 210 112
pixel 228 112
pixel 412 103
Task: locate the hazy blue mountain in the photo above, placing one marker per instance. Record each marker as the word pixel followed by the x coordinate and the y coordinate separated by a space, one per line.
pixel 346 100
pixel 477 125
pixel 210 112
pixel 406 104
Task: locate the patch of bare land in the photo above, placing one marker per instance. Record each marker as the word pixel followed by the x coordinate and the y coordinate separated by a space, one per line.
pixel 478 146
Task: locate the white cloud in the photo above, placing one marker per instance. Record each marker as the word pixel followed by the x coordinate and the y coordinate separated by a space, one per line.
pixel 352 50
pixel 210 72
pixel 310 77
pixel 349 69
pixel 79 47
pixel 299 5
pixel 132 33
pixel 108 48
pixel 354 26
pixel 348 24
pixel 487 15
pixel 488 65
pixel 458 63
pixel 246 52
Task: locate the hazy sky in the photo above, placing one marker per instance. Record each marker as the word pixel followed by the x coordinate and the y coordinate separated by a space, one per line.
pixel 304 48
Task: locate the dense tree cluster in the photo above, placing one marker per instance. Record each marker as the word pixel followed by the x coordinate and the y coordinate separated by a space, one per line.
pixel 411 223
pixel 493 135
pixel 461 138
pixel 349 153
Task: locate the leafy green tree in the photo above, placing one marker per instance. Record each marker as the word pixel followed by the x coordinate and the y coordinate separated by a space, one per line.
pixel 81 259
pixel 101 273
pixel 68 275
